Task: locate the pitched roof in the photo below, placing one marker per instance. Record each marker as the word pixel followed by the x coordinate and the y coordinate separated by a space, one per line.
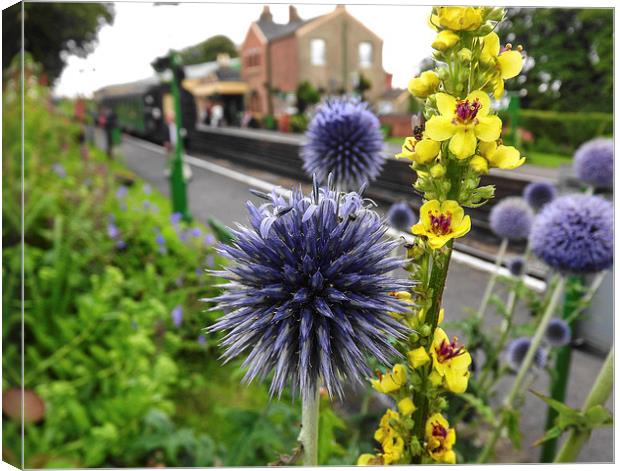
pixel 273 30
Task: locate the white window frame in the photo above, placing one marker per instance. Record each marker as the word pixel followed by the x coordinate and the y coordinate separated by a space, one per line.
pixel 315 58
pixel 365 55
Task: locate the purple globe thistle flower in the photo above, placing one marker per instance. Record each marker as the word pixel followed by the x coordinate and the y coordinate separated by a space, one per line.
pixel 177 315
pixel 176 218
pixel 558 332
pixel 344 139
pixel 210 261
pixel 516 266
pixel 121 192
pixel 59 170
pixel 199 271
pixel 202 340
pixel 400 216
pixel 209 240
pixel 113 231
pixel 538 194
pixel 121 245
pixel 517 350
pixel 196 232
pixel 309 296
pixel 594 162
pixel 511 218
pixel 575 234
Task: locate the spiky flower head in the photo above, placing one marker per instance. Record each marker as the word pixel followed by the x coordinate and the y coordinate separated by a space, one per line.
pixel 538 194
pixel 594 162
pixel 344 139
pixel 511 218
pixel 401 216
pixel 575 234
pixel 309 294
pixel 558 332
pixel 516 266
pixel 517 350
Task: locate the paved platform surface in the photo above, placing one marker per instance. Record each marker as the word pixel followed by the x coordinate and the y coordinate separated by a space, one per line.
pixel 213 195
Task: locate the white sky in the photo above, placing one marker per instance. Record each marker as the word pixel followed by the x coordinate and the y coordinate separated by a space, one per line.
pixel 142 31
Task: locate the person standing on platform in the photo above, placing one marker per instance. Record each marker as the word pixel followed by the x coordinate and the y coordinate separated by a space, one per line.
pixel 110 127
pixel 170 146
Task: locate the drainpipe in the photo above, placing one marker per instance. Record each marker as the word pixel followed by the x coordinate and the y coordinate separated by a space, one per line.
pixel 345 68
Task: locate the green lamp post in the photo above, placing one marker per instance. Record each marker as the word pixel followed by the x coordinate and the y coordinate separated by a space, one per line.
pixel 178 188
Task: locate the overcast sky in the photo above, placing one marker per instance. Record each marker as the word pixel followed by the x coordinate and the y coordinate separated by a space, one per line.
pixel 142 31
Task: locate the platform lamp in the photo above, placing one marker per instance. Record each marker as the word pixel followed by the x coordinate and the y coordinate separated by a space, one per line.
pixel 178 188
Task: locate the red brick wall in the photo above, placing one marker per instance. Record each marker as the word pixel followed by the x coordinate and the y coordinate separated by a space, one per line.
pixel 400 124
pixel 254 71
pixel 284 65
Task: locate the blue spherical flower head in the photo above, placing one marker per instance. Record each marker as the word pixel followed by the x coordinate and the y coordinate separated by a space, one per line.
pixel 538 194
pixel 558 332
pixel 516 266
pixel 511 218
pixel 517 350
pixel 401 216
pixel 594 162
pixel 344 139
pixel 575 234
pixel 309 294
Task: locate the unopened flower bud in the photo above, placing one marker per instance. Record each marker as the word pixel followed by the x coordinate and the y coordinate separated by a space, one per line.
pixel 464 55
pixel 479 164
pixel 425 330
pixel 438 171
pixel 424 85
pixel 445 40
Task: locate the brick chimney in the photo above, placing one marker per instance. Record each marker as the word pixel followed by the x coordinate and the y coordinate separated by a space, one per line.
pixel 388 81
pixel 293 16
pixel 266 14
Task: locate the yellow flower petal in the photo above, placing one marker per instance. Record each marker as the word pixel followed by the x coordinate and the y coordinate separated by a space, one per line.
pixel 498 88
pixel 456 382
pixel 506 157
pixel 427 209
pixel 437 242
pixel 489 128
pixel 487 149
pixel 440 128
pixel 510 64
pixel 445 40
pixel 463 228
pixel 426 150
pixel 418 357
pixel 449 457
pixel 490 47
pixel 452 207
pixel 406 406
pixel 440 318
pixel 369 460
pixel 484 100
pixel 479 164
pixel 446 104
pixel 463 143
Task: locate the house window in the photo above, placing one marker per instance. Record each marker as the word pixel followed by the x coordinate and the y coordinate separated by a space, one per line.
pixel 317 52
pixel 364 51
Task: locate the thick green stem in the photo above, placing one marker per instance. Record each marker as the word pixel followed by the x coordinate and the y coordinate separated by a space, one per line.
pixel 492 279
pixel 515 390
pixel 309 435
pixel 600 392
pixel 559 381
pixel 437 282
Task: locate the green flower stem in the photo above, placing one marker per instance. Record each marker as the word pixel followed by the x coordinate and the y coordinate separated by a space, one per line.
pixel 309 436
pixel 600 392
pixel 492 279
pixel 515 390
pixel 594 286
pixel 437 282
pixel 559 381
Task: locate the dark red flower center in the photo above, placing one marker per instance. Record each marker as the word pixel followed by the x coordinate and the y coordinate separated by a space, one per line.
pixel 439 431
pixel 448 350
pixel 466 112
pixel 440 225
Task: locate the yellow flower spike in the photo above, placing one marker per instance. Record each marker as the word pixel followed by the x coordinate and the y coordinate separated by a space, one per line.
pixel 391 382
pixel 424 85
pixel 463 122
pixel 440 222
pixel 435 378
pixel 438 171
pixel 369 460
pixel 402 295
pixel 450 361
pixel 479 164
pixel 421 151
pixel 505 157
pixel 418 357
pixel 406 406
pixel 440 439
pixel 393 447
pixel 460 18
pixel 445 40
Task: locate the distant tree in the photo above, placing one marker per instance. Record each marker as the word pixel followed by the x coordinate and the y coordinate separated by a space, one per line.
pixel 53 31
pixel 363 84
pixel 208 50
pixel 570 57
pixel 307 95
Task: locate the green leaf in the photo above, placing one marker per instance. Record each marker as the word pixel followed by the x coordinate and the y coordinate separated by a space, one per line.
pixel 512 425
pixel 598 416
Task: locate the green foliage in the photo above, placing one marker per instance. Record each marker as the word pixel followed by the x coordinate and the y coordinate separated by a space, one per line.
pixel 52 31
pixel 307 95
pixel 299 123
pixel 208 50
pixel 562 132
pixel 572 47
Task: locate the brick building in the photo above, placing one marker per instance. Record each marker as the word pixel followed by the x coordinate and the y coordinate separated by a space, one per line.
pixel 330 51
